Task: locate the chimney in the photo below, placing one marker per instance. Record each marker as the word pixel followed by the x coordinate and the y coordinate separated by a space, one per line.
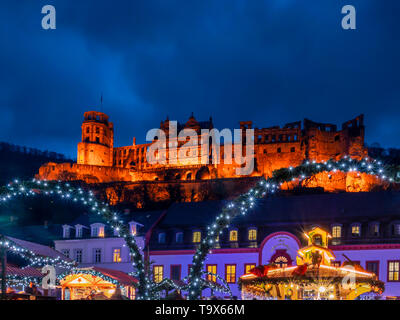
pixel 134 141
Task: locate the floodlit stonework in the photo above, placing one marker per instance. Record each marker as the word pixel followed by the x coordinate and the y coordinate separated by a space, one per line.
pixel 275 147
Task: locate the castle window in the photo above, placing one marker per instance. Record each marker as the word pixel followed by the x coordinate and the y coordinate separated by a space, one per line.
pixel 252 236
pixel 87 130
pixel 97 140
pixel 196 236
pixel 161 237
pixel 293 149
pixel 337 138
pixel 97 130
pixel 233 235
pixel 278 150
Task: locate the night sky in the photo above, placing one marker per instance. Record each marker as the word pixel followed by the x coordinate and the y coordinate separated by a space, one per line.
pixel 272 62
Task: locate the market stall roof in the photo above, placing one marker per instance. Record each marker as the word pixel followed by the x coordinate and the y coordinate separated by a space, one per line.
pixel 26 272
pixel 122 277
pixel 38 249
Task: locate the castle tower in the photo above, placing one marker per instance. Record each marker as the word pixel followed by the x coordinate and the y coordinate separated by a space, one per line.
pixel 97 143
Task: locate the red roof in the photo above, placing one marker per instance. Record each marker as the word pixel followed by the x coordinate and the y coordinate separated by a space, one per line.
pixel 26 272
pixel 120 276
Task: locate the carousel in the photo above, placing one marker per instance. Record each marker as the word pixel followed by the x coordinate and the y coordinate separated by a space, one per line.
pixel 96 283
pixel 315 277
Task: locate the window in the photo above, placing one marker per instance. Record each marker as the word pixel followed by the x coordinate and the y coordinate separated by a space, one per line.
pixel 248 267
pixel 161 237
pixel 355 230
pixel 373 266
pixel 293 149
pixel 66 233
pixel 375 229
pixel 278 150
pixel 252 235
pixel 281 261
pixel 396 229
pixel 336 232
pixel 117 255
pixel 176 272
pixel 233 235
pixel 97 256
pixel 78 255
pixel 179 237
pixel 133 228
pixel 158 273
pixel 230 273
pixel 393 270
pixel 78 232
pixel 196 236
pixel 212 268
pixel 65 252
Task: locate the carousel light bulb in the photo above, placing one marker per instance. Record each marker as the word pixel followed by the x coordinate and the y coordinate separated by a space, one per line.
pixel 321 289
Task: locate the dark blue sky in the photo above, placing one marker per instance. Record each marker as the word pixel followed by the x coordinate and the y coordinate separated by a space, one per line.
pixel 272 61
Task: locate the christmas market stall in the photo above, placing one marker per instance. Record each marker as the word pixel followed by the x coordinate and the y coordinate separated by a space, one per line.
pixel 315 277
pixel 96 283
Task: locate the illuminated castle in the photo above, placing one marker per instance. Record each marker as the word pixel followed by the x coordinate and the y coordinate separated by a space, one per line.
pixel 275 147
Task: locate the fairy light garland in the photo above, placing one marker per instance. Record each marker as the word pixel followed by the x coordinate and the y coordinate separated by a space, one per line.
pixel 242 204
pixel 78 195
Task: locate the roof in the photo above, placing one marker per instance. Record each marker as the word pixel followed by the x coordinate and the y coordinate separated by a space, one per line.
pixel 38 249
pixel 122 277
pixel 25 272
pixel 37 233
pixel 290 209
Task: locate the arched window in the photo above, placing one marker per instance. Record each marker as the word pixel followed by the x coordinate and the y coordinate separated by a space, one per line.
pixel 233 235
pixel 281 261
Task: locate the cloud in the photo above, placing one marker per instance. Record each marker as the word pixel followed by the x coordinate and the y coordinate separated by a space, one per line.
pixel 268 61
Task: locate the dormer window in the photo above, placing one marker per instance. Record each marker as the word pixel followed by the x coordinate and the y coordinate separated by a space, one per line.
pixel 161 237
pixel 374 228
pixel 396 229
pixel 133 228
pixel 97 230
pixel 196 236
pixel 233 235
pixel 252 236
pixel 78 231
pixel 179 237
pixel 336 234
pixel 356 230
pixel 66 231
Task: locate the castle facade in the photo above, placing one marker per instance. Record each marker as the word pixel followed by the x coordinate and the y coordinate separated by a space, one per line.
pixel 99 161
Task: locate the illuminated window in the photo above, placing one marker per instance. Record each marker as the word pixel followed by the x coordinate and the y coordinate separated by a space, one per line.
pixel 230 273
pixel 355 230
pixel 116 255
pixel 393 270
pixel 248 267
pixel 212 268
pixel 253 234
pixel 196 237
pixel 158 273
pixel 336 232
pixel 375 229
pixel 233 235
